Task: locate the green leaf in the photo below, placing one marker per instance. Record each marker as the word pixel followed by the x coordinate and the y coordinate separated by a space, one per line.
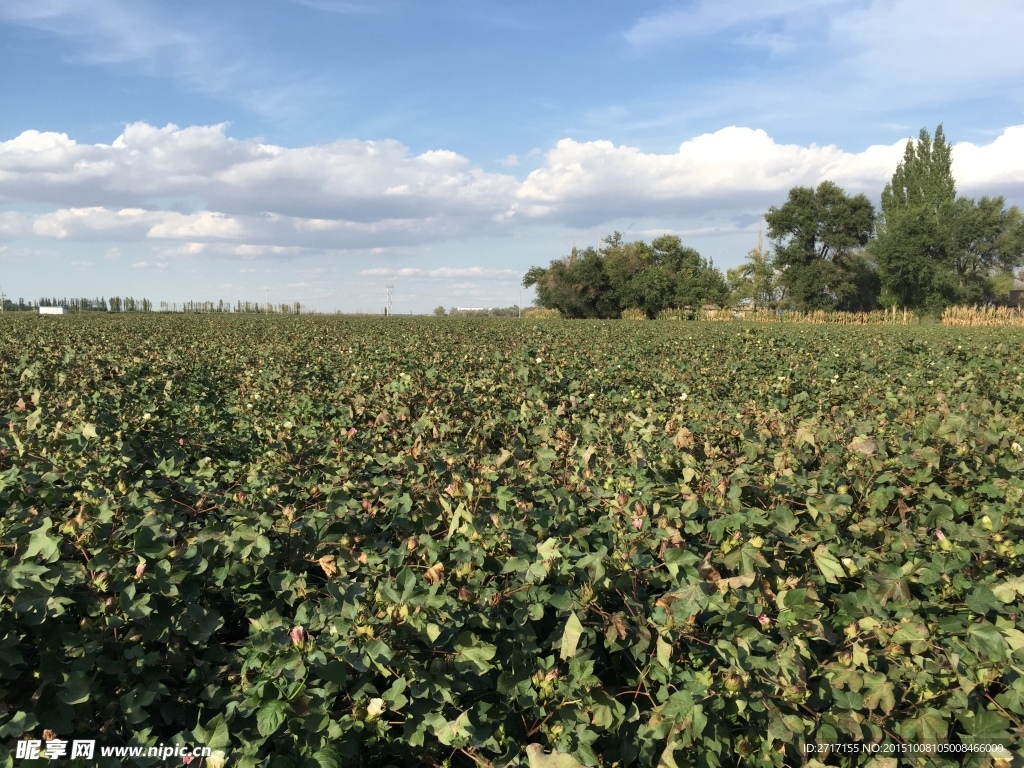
pixel 981 600
pixel 984 727
pixel 41 545
pixel 879 693
pixel 929 727
pixel 1009 590
pixel 571 636
pixel 327 758
pixel 215 735
pixel 890 585
pixel 76 689
pixel 22 722
pixel 452 732
pixel 664 653
pixel 32 601
pixel 828 564
pixel 89 431
pixel 914 633
pixel 271 716
pixel 471 650
pixel 986 641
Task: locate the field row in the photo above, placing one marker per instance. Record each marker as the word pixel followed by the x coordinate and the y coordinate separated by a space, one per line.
pixel 391 541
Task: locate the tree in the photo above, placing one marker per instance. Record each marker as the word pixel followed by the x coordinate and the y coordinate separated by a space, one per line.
pixel 620 275
pixel 914 246
pixel 439 311
pixel 755 280
pixel 988 244
pixel 818 236
pixel 934 249
pixel 576 285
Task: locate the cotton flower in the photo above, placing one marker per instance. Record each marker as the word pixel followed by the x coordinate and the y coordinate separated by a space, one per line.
pixel 218 759
pixel 298 636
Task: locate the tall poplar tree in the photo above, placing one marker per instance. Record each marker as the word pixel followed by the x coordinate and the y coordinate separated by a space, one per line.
pixel 915 244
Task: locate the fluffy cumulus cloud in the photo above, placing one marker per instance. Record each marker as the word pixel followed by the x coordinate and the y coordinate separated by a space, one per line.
pixel 446 273
pixel 197 182
pixel 196 187
pixel 729 171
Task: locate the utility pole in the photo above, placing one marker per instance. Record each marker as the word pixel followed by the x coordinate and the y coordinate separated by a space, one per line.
pixel 390 288
pixel 3 300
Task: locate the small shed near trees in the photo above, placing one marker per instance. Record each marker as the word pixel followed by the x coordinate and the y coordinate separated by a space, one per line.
pixel 52 311
pixel 1016 297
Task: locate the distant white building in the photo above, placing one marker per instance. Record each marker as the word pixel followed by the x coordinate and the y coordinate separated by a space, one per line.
pixel 52 311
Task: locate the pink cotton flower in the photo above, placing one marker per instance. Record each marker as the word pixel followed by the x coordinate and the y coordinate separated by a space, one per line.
pixel 298 636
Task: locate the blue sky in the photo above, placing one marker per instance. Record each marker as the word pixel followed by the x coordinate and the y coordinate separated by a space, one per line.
pixel 322 149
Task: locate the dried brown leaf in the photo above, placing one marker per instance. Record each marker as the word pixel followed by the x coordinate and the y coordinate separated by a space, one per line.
pixel 329 565
pixel 434 574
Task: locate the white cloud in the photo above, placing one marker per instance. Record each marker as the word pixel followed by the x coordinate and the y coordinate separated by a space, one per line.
pixel 733 169
pixel 345 194
pixel 588 182
pixel 13 223
pixel 440 272
pixel 198 191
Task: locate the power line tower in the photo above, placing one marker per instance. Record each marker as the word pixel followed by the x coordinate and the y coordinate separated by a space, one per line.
pixel 390 288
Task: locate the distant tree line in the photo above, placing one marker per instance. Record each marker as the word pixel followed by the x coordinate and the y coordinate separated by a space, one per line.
pixel 240 307
pixel 512 311
pixel 98 304
pixel 130 304
pixel 926 249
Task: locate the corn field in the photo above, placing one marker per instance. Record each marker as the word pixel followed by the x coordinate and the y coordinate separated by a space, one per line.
pixel 538 313
pixel 983 316
pixel 816 317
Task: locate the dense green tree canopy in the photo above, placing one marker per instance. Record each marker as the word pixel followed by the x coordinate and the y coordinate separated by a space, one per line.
pixel 926 250
pixel 818 237
pixel 756 281
pixel 914 244
pixel 619 275
pixel 934 249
